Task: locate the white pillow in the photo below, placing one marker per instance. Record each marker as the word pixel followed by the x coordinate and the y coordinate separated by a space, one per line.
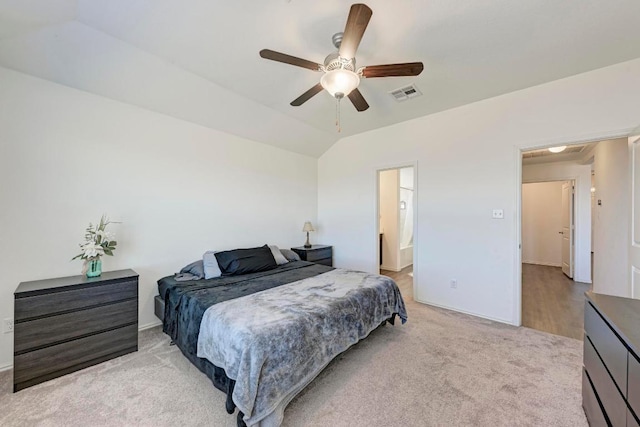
pixel 211 267
pixel 277 255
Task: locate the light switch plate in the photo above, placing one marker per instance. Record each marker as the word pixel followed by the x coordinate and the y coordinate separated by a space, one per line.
pixel 498 214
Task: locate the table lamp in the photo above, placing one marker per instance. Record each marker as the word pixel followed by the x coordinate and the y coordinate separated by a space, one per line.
pixel 307 227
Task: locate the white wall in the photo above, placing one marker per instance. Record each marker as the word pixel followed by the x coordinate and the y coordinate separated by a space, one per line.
pixel 468 164
pixel 179 189
pixel 582 206
pixel 612 221
pixel 541 223
pixel 389 219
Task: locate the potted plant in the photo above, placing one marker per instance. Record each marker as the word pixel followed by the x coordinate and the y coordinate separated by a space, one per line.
pixel 98 242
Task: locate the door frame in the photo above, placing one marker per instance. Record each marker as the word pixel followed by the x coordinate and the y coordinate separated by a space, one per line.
pixel 572 229
pixel 517 159
pixel 376 222
pixel 634 247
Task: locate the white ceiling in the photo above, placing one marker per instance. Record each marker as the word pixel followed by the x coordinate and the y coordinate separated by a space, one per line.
pixel 198 59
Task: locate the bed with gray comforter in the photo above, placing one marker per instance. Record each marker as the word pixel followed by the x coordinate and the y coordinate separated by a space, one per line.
pixel 263 337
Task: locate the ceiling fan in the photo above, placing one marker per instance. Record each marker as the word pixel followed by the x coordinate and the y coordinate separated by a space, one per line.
pixel 341 77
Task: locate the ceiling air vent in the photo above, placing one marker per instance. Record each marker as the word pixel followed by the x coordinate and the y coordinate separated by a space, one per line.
pixel 405 93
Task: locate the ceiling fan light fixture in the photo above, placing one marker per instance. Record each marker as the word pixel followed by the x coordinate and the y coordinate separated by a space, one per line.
pixel 559 149
pixel 340 81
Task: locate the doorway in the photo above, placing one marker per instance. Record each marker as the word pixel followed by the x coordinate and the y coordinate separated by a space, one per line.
pixel 396 226
pixel 555 219
pixel 551 299
pixel 607 260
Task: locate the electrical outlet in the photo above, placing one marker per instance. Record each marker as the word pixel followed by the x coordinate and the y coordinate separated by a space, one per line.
pixel 454 284
pixel 497 214
pixel 7 327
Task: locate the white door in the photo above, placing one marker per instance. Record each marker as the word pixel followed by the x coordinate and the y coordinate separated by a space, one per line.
pixel 634 250
pixel 567 229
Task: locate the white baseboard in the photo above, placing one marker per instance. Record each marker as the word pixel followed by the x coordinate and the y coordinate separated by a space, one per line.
pixel 140 328
pixel 495 319
pixel 149 325
pixel 547 264
pixel 384 267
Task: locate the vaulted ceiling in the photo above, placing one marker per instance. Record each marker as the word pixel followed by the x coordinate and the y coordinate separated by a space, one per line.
pixel 198 60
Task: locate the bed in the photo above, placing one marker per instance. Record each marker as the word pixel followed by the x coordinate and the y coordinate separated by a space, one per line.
pixel 262 337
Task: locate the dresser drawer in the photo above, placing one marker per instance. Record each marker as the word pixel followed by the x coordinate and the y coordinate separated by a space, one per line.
pixel 633 393
pixel 319 254
pixel 590 403
pixel 608 345
pixel 61 357
pixel 63 327
pixel 611 399
pixel 57 302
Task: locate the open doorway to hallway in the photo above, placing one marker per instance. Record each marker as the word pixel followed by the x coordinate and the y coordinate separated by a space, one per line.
pixel 396 218
pixel 556 238
pixel 588 184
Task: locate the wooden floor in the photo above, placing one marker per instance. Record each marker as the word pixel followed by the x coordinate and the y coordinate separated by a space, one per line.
pixel 404 281
pixel 552 302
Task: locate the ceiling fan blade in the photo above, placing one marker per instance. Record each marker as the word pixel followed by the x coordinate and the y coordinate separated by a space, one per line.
pixel 358 100
pixel 288 59
pixel 307 95
pixel 393 70
pixel 359 16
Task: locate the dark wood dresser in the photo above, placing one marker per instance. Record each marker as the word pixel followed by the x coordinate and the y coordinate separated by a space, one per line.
pixel 320 254
pixel 611 373
pixel 67 324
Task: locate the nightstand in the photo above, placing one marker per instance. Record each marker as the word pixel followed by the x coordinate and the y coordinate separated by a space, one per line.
pixel 320 254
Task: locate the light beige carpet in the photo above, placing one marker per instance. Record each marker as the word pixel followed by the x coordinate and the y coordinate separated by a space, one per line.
pixel 440 369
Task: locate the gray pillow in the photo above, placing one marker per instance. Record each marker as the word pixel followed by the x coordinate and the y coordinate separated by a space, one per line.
pixel 211 267
pixel 290 255
pixel 193 271
pixel 277 255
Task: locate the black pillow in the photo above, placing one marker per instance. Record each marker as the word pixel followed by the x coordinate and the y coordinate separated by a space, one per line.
pixel 244 261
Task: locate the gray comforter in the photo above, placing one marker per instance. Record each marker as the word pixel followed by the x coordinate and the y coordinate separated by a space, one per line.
pixel 275 342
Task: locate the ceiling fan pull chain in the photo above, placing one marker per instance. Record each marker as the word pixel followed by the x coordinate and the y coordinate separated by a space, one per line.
pixel 338 114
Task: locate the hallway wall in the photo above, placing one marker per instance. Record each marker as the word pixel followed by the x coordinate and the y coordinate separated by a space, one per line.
pixel 541 222
pixel 611 229
pixel 389 219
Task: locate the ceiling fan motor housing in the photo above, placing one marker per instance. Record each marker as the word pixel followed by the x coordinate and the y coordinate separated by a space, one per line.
pixel 335 62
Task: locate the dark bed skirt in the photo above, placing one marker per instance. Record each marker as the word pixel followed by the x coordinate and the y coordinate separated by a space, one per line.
pixel 217 375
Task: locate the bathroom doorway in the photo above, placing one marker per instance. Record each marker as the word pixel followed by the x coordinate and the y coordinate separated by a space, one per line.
pixel 396 220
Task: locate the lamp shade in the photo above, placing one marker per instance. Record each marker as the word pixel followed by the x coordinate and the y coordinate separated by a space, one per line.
pixel 307 226
pixel 340 81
